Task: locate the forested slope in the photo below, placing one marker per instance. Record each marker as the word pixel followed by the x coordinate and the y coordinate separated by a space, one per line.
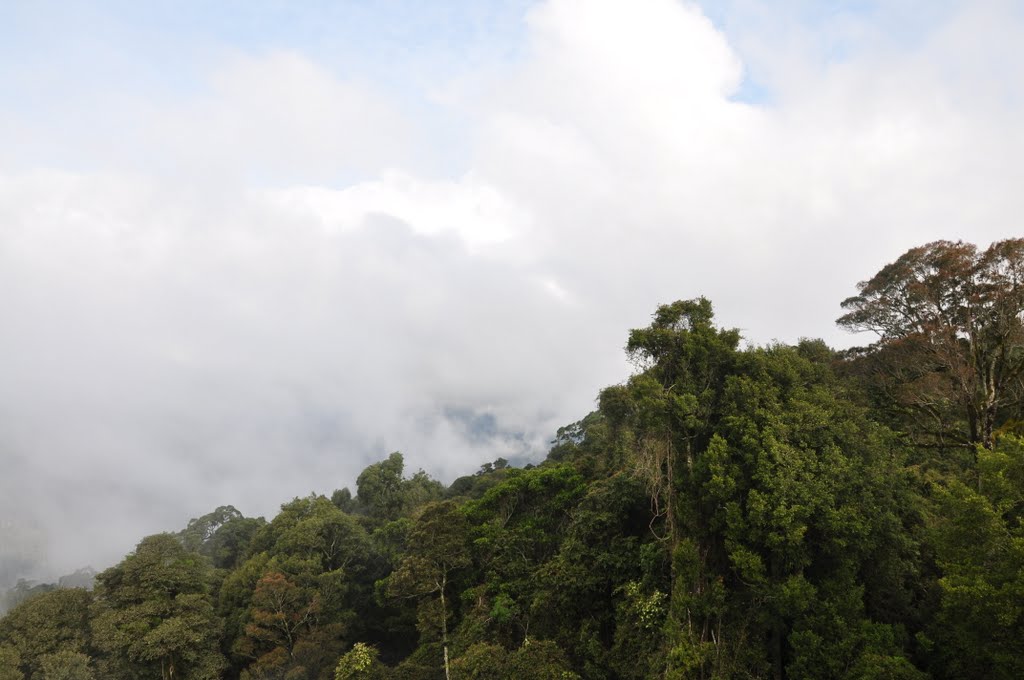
pixel 726 512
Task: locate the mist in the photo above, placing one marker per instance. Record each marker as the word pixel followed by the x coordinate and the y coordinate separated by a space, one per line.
pixel 248 280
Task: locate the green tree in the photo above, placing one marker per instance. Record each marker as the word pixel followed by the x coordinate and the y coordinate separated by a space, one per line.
pixel 385 495
pixel 10 663
pixel 436 551
pixel 155 618
pixel 663 418
pixel 979 542
pixel 481 661
pixel 772 493
pixel 540 660
pixel 379 487
pixel 66 665
pixel 360 663
pixel 55 621
pixel 519 524
pixel 222 535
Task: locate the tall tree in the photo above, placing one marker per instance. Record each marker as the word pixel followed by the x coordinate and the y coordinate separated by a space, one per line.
pixel 773 496
pixel 155 618
pixel 978 538
pixel 949 321
pixel 222 535
pixel 436 550
pixel 54 621
pixel 290 604
pixel 66 665
pixel 379 487
pixel 10 664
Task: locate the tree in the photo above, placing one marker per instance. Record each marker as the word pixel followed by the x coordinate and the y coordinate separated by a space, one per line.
pixel 482 661
pixel 360 663
pixel 10 664
pixel 54 621
pixel 436 549
pixel 379 487
pixel 66 665
pixel 979 543
pixel 289 606
pixel 949 321
pixel 519 524
pixel 773 496
pixel 288 630
pixel 385 495
pixel 221 535
pixel 664 418
pixel 155 618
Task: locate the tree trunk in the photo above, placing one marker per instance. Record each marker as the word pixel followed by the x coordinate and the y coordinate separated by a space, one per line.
pixel 776 650
pixel 444 628
pixel 988 425
pixel 777 634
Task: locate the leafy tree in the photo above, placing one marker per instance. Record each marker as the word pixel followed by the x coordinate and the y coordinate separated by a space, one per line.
pixel 519 524
pixel 155 618
pixel 979 542
pixel 342 499
pixel 436 550
pixel 202 529
pixel 360 663
pixel 379 487
pixel 771 492
pixel 10 663
pixel 55 621
pixel 315 530
pixel 476 484
pixel 949 321
pixel 281 612
pixel 541 660
pixel 290 605
pixel 385 495
pixel 670 407
pixel 66 665
pixel 222 535
pixel 481 661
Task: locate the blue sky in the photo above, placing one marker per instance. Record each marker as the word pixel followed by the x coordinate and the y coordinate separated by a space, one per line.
pixel 170 43
pixel 247 249
pixel 58 57
pixel 166 47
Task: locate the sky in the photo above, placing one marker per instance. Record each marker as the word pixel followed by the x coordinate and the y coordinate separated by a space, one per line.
pixel 249 247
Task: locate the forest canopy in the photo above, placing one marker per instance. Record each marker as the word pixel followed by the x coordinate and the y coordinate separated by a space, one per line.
pixel 784 512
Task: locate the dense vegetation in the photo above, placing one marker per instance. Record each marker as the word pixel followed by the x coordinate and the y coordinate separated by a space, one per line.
pixel 727 512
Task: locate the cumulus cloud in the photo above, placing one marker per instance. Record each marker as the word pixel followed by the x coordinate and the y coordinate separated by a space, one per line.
pixel 261 290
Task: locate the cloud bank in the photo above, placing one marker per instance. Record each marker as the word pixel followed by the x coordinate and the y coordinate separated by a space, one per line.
pixel 251 289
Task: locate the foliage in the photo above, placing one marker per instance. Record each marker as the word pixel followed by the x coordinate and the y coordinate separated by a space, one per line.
pixel 56 621
pixel 66 665
pixel 10 663
pixel 155 617
pixel 949 321
pixel 222 535
pixel 360 663
pixel 979 542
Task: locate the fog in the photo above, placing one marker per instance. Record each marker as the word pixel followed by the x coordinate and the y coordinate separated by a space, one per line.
pixel 249 278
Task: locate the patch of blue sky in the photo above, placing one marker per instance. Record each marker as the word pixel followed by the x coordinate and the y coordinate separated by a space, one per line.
pixel 837 30
pixel 171 43
pixel 57 59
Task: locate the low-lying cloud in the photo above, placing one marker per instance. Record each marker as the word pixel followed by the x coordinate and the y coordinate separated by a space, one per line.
pixel 261 287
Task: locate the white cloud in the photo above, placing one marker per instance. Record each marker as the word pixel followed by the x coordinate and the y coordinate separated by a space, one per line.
pixel 468 209
pixel 283 116
pixel 224 315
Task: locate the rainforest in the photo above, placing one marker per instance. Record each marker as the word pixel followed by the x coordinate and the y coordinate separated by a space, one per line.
pixel 727 511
